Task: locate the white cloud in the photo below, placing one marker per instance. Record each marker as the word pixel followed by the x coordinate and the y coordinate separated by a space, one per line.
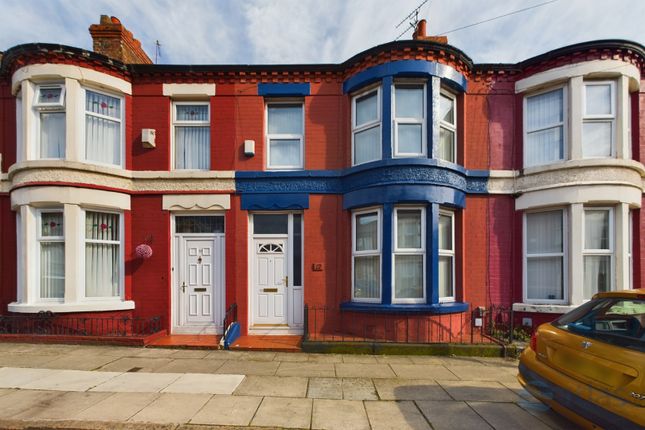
pixel 315 31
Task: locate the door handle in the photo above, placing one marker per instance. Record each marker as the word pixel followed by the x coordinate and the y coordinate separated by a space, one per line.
pixel 183 287
pixel 286 281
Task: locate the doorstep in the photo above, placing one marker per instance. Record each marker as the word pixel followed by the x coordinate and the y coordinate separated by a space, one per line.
pixel 189 341
pixel 267 343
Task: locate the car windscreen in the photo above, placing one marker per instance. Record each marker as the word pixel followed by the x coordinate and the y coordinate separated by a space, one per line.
pixel 618 321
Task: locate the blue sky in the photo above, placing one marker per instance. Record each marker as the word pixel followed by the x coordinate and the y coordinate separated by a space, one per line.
pixel 320 31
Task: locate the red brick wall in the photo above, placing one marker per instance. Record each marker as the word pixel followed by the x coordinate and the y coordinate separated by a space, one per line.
pixel 7 253
pixel 150 109
pixel 7 127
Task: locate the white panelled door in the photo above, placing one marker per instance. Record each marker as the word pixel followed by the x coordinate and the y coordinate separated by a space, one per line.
pixel 197 286
pixel 270 282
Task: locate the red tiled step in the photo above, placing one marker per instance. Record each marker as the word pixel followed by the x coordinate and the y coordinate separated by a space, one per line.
pixel 268 343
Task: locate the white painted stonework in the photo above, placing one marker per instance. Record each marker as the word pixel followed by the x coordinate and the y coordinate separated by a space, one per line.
pixel 188 90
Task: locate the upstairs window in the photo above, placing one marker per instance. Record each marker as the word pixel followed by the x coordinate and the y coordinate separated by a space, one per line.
pixel 598 120
pixel 52 255
pixel 447 128
pixel 409 120
pixel 191 123
pixel 50 107
pixel 409 255
pixel 366 256
pixel 366 127
pixel 598 251
pixel 544 128
pixel 285 136
pixel 544 255
pixel 103 133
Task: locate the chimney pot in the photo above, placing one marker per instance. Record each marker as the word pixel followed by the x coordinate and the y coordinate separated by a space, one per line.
pixel 115 20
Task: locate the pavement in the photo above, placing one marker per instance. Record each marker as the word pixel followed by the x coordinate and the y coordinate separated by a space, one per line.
pixel 111 387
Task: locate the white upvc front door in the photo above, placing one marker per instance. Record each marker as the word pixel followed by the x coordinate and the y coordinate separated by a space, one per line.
pixel 276 290
pixel 198 284
pixel 271 283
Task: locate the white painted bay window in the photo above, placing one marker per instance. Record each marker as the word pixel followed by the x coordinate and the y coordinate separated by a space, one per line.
pixel 103 128
pixel 102 254
pixel 447 128
pixel 599 117
pixel 409 255
pixel 598 251
pixel 544 256
pixel 285 136
pixel 366 258
pixel 409 120
pixel 366 127
pixel 51 238
pixel 191 125
pixel 50 108
pixel 446 256
pixel 544 134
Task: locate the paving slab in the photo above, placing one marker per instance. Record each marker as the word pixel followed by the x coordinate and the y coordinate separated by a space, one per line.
pixel 358 389
pixel 190 353
pixel 424 371
pixel 24 400
pixel 16 377
pixel 451 415
pixel 5 391
pixel 485 391
pixel 339 415
pixel 283 413
pixel 70 380
pixel 156 352
pixel 507 416
pixel 228 411
pixel 306 369
pixel 427 359
pixel 76 361
pixel 204 383
pixel 360 359
pixel 356 370
pixel 291 357
pixel 410 389
pixel 517 388
pixel 117 407
pixel 191 365
pixel 138 382
pixel 249 367
pixel 488 373
pixel 385 415
pixel 390 359
pixel 126 364
pixel 274 386
pixel 547 415
pixel 62 407
pixel 172 408
pixel 25 360
pixel 325 358
pixel 325 388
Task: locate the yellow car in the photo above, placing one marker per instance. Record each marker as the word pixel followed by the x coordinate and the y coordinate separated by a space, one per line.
pixel 589 365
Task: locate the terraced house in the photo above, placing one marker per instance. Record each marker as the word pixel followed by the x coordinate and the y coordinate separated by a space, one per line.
pixel 401 194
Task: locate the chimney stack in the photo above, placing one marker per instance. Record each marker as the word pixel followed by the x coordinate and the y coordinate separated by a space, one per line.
pixel 420 34
pixel 113 40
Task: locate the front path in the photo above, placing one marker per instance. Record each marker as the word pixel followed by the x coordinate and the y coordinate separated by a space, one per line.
pixel 71 386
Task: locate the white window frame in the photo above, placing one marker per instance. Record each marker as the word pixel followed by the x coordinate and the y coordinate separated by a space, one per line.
pixel 564 255
pixel 449 253
pixel 40 239
pixel 371 253
pixel 83 291
pixel 175 123
pixel 601 118
pixel 40 108
pixel 422 121
pixel 299 137
pixel 408 251
pixel 564 124
pixel 83 113
pixel 376 123
pixel 611 252
pixel 448 126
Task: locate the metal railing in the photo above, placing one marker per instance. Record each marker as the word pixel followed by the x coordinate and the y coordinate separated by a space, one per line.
pixel 48 323
pixel 323 323
pixel 231 316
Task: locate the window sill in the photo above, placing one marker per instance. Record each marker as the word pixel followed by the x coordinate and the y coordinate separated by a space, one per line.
pixel 97 306
pixel 438 308
pixel 543 309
